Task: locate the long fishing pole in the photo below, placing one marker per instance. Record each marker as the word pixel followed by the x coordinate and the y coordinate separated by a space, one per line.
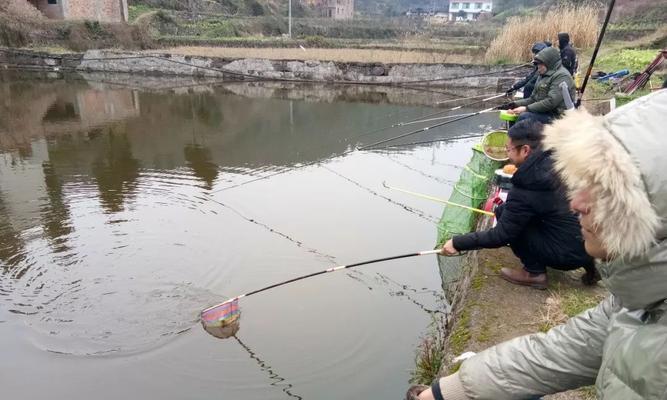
pixel 424 129
pixel 421 118
pixel 595 52
pixel 392 146
pixel 421 121
pixel 249 181
pixel 222 311
pixel 439 200
pixel 466 98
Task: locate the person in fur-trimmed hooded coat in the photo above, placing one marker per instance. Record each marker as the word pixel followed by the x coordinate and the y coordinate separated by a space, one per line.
pixel 615 168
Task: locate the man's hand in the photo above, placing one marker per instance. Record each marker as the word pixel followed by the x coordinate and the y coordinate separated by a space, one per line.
pixel 518 110
pixel 506 106
pixel 448 249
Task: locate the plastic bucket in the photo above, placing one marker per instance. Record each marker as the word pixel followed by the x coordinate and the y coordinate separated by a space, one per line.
pixel 494 145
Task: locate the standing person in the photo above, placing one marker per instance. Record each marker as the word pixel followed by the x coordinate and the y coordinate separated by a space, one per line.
pixel 535 220
pixel 546 103
pixel 567 53
pixel 614 169
pixel 528 83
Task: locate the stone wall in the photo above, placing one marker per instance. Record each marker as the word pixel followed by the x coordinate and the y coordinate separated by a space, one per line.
pixel 430 75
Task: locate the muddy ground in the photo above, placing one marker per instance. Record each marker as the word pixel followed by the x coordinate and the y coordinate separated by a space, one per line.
pixel 495 310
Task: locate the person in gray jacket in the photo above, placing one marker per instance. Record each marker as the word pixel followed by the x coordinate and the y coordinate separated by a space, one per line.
pixel 614 169
pixel 546 102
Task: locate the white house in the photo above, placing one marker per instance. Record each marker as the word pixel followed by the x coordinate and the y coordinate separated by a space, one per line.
pixel 468 10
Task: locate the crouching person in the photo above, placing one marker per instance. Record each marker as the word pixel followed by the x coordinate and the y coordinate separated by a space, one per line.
pixel 614 168
pixel 536 220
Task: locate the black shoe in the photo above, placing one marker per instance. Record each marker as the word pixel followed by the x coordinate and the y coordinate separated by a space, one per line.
pixel 590 277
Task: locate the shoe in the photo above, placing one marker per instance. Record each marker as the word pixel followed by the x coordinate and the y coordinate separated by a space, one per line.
pixel 590 277
pixel 520 276
pixel 413 392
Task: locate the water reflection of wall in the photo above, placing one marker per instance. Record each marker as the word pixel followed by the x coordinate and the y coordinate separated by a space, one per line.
pixel 30 110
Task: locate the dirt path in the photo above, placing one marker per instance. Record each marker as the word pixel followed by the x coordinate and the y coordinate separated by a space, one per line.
pixel 495 310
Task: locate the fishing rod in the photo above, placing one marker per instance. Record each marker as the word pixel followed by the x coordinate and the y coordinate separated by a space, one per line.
pixel 226 315
pixel 425 129
pixel 466 98
pixel 595 52
pixel 421 118
pixel 369 133
pixel 439 200
pixel 421 121
pixel 391 146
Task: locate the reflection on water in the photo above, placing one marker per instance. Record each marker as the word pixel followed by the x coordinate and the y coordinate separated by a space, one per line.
pixel 115 231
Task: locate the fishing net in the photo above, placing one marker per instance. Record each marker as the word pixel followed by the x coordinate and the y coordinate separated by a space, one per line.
pixel 472 189
pixel 223 320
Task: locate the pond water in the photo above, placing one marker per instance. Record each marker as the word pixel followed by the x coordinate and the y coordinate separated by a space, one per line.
pixel 124 213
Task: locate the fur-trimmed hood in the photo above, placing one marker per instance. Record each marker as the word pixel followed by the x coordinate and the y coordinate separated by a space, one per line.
pixel 622 159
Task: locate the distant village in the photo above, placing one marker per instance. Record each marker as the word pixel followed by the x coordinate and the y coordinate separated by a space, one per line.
pixel 457 11
pixel 117 11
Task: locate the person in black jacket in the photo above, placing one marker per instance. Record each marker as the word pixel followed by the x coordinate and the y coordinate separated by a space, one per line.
pixel 535 220
pixel 528 83
pixel 567 54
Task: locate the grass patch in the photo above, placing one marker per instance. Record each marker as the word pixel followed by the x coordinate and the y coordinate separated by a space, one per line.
pixel 633 59
pixel 588 393
pixel 136 10
pixel 461 335
pixel 484 334
pixel 575 301
pixel 430 353
pixel 478 282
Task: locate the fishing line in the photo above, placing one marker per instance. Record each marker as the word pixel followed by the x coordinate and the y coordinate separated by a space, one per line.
pixel 298 243
pixel 465 98
pixel 406 207
pixel 402 293
pixel 278 381
pixel 447 139
pixel 435 178
pixel 424 129
pixel 421 121
pixel 371 145
pixel 421 118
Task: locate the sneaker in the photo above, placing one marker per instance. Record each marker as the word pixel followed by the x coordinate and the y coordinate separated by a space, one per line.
pixel 524 278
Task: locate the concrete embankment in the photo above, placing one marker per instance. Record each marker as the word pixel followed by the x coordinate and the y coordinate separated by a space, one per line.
pixel 432 75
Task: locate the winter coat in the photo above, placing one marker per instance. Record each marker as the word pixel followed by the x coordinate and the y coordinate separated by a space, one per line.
pixel 547 97
pixel 569 59
pixel 527 83
pixel 620 345
pixel 536 212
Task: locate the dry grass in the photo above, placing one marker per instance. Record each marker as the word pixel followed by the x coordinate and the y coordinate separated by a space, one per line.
pixel 20 9
pixel 518 35
pixel 342 55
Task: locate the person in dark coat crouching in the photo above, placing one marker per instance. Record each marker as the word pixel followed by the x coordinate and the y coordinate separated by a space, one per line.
pixel 535 220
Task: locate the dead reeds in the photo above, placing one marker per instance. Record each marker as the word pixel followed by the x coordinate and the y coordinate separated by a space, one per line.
pixel 514 42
